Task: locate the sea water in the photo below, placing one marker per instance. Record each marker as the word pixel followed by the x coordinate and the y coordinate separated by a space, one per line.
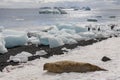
pixel 21 18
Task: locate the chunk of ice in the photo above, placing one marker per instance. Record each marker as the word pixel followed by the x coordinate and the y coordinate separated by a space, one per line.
pixel 21 57
pixel 41 52
pixel 14 38
pixel 55 42
pixel 45 39
pixel 2 44
pixel 72 27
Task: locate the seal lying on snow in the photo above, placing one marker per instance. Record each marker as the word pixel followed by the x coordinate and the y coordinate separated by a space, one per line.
pixel 71 66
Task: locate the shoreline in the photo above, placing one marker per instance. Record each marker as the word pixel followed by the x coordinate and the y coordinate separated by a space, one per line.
pixel 51 51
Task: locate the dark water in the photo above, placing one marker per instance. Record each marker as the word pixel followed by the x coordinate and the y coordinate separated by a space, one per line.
pixel 31 17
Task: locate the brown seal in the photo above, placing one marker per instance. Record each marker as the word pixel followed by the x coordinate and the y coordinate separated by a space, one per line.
pixel 71 66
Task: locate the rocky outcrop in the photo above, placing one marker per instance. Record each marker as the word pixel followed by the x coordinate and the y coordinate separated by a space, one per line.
pixel 105 59
pixel 71 66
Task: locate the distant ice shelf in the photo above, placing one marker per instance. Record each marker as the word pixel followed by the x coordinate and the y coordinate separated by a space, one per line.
pixel 48 10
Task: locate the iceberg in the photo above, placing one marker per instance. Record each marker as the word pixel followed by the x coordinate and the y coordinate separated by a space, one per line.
pixel 45 39
pixel 61 34
pixel 67 40
pixel 67 36
pixel 72 27
pixel 14 38
pixel 88 35
pixel 49 10
pixel 54 30
pixel 69 31
pixel 2 45
pixel 55 42
pixel 33 40
pixel 51 40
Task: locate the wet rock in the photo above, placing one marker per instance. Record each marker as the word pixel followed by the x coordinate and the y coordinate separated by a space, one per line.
pixel 71 66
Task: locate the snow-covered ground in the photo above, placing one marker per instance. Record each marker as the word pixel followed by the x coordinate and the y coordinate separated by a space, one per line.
pixel 93 53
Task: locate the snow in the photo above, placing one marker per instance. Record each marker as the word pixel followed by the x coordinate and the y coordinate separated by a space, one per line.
pixel 21 57
pixel 65 49
pixel 2 44
pixel 93 53
pixel 14 38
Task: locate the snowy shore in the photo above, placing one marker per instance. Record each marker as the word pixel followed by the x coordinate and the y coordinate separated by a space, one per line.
pixel 51 40
pixel 33 70
pixel 87 32
pixel 50 51
pixel 71 42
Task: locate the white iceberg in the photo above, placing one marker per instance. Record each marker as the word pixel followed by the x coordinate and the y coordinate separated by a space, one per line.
pixel 67 40
pixel 51 40
pixel 54 30
pixel 65 37
pixel 21 57
pixel 33 40
pixel 60 35
pixel 49 11
pixel 2 45
pixel 69 34
pixel 72 27
pixel 88 35
pixel 45 39
pixel 69 31
pixel 15 38
pixel 55 42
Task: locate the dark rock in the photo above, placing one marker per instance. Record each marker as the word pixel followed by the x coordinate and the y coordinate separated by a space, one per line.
pixel 105 59
pixel 92 20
